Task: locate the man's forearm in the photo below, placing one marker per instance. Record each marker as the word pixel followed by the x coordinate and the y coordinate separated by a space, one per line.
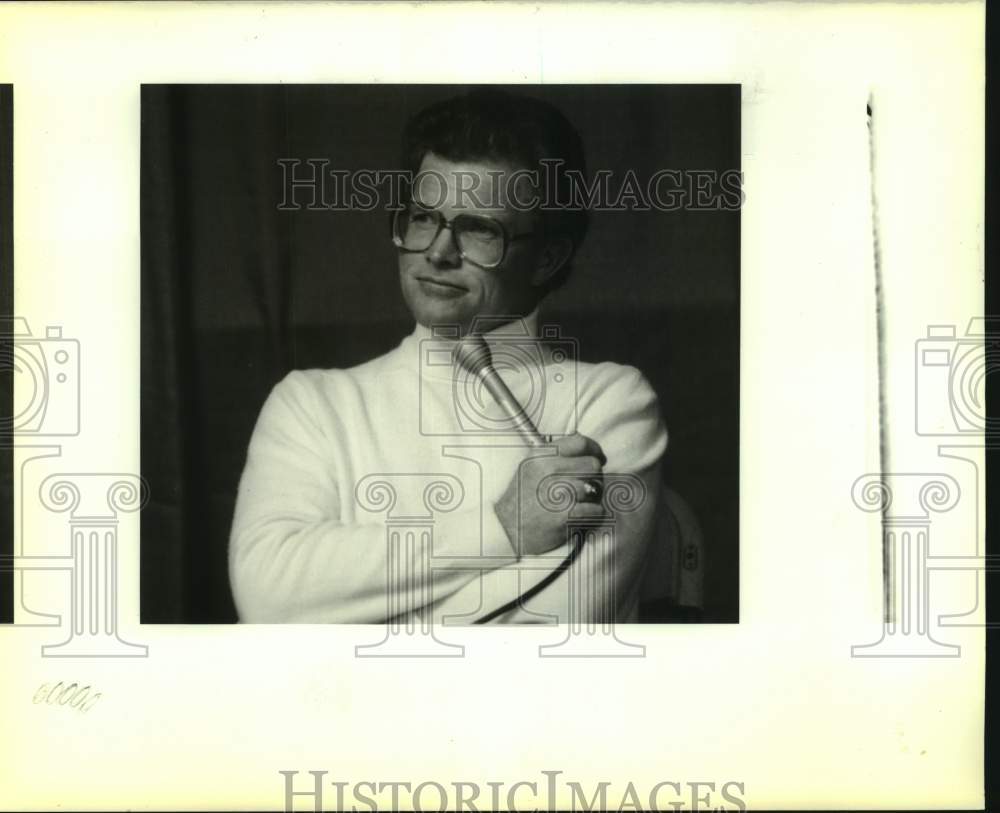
pixel 285 570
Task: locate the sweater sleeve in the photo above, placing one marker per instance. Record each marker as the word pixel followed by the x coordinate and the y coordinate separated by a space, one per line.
pixel 621 412
pixel 292 559
pixel 619 409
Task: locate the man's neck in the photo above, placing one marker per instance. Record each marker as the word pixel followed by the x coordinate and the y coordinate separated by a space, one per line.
pixel 427 344
pixel 488 326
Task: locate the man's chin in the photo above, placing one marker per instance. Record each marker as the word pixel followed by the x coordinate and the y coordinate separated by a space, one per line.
pixel 437 314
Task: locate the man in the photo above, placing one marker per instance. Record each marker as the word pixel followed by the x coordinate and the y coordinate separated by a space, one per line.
pixel 338 454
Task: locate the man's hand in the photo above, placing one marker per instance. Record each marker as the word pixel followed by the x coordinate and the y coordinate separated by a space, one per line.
pixel 535 528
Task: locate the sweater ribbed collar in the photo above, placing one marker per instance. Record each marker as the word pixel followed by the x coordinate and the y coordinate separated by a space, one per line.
pixel 431 348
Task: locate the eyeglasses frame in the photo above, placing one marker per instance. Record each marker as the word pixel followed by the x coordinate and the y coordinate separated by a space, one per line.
pixel 448 223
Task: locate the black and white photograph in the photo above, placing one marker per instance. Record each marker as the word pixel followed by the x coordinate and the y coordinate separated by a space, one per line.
pixel 495 406
pixel 519 301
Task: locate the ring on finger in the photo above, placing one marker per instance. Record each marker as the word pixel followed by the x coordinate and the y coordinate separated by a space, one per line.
pixel 593 490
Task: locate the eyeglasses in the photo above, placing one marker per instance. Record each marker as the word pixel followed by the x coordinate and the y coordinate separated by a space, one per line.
pixel 481 240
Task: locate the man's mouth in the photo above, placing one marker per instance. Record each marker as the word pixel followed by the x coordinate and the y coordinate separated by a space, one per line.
pixel 440 286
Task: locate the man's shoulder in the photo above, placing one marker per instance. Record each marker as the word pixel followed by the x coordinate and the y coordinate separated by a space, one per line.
pixel 600 379
pixel 619 407
pixel 322 378
pixel 314 387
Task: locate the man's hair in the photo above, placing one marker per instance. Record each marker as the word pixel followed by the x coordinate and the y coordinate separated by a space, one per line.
pixel 488 124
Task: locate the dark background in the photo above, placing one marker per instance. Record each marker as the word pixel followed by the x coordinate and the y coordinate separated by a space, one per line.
pixel 235 293
pixel 992 306
pixel 6 358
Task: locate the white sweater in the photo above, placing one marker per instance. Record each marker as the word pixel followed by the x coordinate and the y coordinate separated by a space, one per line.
pixel 309 536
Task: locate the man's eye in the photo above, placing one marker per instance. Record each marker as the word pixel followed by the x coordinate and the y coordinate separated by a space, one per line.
pixel 421 218
pixel 480 231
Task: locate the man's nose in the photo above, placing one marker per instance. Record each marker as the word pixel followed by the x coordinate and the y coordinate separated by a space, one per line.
pixel 443 252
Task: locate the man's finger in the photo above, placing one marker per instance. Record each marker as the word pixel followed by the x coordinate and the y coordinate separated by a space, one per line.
pixel 585 464
pixel 588 510
pixel 593 489
pixel 577 445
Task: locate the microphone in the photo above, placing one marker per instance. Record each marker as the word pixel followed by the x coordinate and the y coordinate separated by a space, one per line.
pixel 472 353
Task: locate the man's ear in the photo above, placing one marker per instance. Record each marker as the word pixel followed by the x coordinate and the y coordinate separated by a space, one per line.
pixel 554 254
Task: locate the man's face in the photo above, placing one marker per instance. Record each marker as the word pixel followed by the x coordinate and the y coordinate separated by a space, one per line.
pixel 442 288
